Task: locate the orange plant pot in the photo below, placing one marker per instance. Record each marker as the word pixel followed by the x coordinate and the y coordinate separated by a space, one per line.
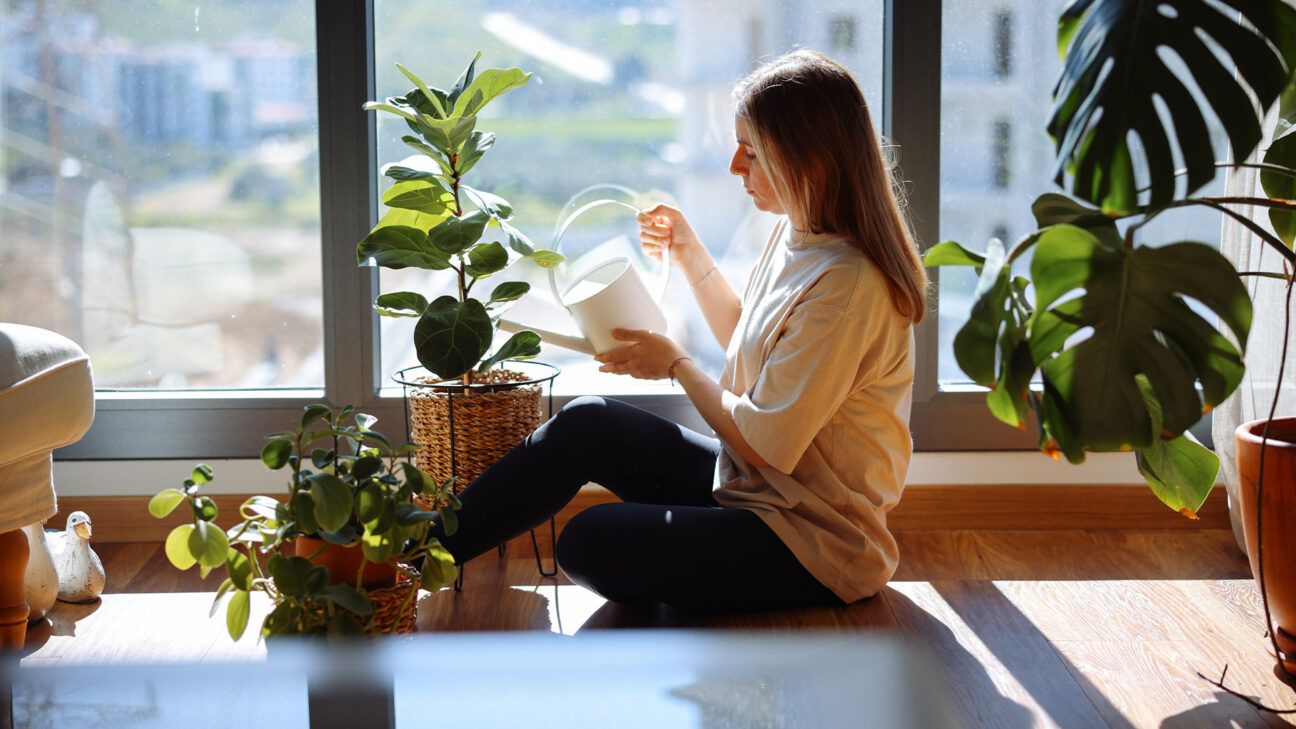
pixel 343 563
pixel 1278 515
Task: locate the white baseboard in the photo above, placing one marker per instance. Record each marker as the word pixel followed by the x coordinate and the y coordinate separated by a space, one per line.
pixel 245 476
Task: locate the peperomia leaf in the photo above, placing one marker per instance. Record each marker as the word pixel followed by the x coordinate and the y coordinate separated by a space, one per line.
pixel 348 597
pixel 401 247
pixel 439 569
pixel 208 544
pixel 332 499
pixel 275 454
pixel 522 345
pixel 547 258
pixel 486 259
pixel 236 615
pixel 1132 304
pixel 165 502
pixel 177 547
pixel 456 235
pixel 1117 68
pixel 400 303
pixel 450 338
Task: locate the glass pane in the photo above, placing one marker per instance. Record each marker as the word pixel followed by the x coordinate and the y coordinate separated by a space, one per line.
pixel 159 202
pixel 998 66
pixel 631 94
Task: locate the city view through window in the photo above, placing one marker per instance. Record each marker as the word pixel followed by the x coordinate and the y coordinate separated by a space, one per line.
pixel 160 199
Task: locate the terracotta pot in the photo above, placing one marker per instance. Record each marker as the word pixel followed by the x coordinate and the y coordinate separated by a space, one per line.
pixel 1278 514
pixel 344 563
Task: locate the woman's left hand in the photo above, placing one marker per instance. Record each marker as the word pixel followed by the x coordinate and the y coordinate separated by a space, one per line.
pixel 648 357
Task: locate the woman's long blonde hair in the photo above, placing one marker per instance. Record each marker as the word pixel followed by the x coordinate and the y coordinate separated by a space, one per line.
pixel 810 124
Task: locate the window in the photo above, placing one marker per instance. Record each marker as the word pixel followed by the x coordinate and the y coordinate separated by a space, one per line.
pixel 841 34
pixel 159 202
pixel 1002 154
pixel 1003 43
pixel 631 95
pixel 164 167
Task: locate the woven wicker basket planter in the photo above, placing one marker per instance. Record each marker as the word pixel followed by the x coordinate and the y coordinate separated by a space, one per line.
pixel 489 418
pixel 395 608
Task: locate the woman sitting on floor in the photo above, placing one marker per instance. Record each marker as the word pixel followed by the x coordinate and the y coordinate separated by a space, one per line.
pixel 787 508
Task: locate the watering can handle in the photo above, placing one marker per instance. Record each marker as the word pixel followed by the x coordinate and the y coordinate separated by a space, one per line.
pixel 663 279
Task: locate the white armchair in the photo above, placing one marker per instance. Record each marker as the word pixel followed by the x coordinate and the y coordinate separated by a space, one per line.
pixel 46 402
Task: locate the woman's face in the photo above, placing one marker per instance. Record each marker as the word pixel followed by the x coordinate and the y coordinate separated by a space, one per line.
pixel 751 169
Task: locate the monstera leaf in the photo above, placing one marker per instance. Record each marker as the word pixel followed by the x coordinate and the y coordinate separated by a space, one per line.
pixel 1116 67
pixel 1128 308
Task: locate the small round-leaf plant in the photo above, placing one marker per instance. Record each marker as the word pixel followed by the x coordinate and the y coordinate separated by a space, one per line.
pixel 348 485
pixel 438 222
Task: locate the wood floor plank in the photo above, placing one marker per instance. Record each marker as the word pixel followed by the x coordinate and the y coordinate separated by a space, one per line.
pixel 1139 683
pixel 939 555
pixel 983 691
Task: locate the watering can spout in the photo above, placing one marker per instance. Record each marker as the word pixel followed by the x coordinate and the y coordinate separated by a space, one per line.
pixel 567 341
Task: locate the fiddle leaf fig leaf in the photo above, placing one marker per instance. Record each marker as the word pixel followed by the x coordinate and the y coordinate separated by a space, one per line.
pixel 471 154
pixel 401 303
pixel 517 240
pixel 451 337
pixel 949 253
pixel 493 205
pixel 423 89
pixel 508 291
pixel 427 195
pixel 448 135
pixel 403 247
pixel 1132 305
pixel 456 235
pixel 487 259
pixel 523 345
pixel 486 87
pixel 465 79
pixel 547 258
pixel 1281 152
pixel 1117 66
pixel 1180 471
pixel 402 217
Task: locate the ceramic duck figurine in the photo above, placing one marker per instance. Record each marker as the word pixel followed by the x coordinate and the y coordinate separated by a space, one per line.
pixel 80 572
pixel 41 584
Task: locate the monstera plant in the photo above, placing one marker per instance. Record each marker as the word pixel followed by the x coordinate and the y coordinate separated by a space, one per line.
pixel 430 225
pixel 1125 362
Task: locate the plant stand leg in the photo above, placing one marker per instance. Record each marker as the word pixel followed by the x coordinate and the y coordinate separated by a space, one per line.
pixel 553 550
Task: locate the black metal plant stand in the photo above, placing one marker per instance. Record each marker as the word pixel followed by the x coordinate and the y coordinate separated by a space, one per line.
pixel 544 374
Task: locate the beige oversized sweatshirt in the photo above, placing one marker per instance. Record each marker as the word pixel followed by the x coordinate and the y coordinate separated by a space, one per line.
pixel 821 363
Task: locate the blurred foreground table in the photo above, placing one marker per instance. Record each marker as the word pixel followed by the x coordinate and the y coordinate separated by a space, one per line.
pixel 654 678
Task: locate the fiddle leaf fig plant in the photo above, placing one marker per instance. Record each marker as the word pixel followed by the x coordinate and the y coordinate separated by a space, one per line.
pixel 348 486
pixel 1125 362
pixel 432 224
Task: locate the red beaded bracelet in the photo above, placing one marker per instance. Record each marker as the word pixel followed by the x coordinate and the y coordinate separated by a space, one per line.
pixel 670 371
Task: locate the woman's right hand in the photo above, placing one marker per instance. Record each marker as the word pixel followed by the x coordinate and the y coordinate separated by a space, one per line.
pixel 664 228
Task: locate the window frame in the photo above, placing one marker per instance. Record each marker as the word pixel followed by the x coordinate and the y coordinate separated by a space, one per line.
pixel 156 426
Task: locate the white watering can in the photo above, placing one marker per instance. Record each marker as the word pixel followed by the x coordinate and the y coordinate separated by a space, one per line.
pixel 608 296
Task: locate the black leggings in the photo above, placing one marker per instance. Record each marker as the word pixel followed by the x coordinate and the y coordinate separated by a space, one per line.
pixel 670 542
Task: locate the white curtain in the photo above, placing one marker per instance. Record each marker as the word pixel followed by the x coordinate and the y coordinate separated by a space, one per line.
pixel 1254 397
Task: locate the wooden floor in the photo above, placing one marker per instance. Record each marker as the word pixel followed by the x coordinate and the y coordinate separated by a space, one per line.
pixel 1030 628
